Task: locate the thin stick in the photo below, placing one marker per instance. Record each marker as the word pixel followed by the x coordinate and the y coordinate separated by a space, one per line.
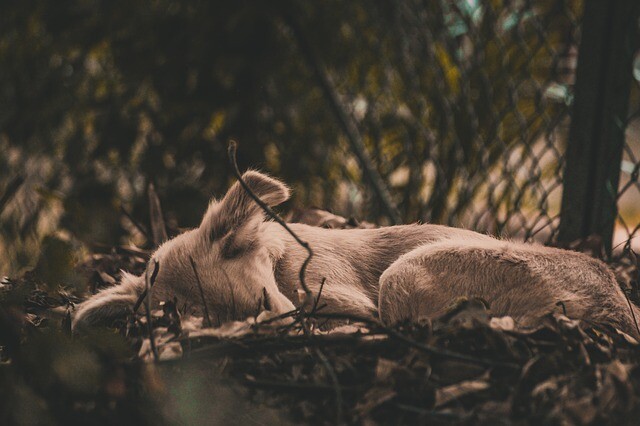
pixel 443 353
pixel 328 367
pixel 12 187
pixel 295 386
pixel 236 171
pixel 204 302
pixel 233 297
pixel 265 302
pixel 344 118
pixel 142 296
pixel 158 227
pixel 148 285
pixel 139 301
pixel 334 381
pixel 289 314
pixel 308 295
pixel 216 347
pixel 633 315
pixel 315 305
pixel 564 308
pixel 135 223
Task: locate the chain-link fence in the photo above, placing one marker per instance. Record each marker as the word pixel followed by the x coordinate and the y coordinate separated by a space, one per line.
pixel 600 194
pixel 469 123
pixel 468 120
pixel 470 113
pixel 628 224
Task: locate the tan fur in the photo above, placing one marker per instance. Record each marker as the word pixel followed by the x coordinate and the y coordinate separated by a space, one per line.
pixel 397 273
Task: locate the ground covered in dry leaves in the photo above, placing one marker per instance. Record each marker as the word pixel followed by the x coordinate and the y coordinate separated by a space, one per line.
pixel 464 368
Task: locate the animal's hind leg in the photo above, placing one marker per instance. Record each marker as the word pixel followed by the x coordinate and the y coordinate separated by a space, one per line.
pixel 399 299
pixel 427 280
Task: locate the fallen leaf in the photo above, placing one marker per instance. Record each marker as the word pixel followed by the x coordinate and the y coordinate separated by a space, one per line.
pixel 170 351
pixel 374 398
pixel 502 323
pixel 449 393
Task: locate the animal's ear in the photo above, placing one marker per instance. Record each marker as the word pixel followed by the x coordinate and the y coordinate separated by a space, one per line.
pixel 270 190
pixel 237 210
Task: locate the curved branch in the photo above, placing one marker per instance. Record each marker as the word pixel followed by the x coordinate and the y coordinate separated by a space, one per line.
pixel 346 121
pixel 236 171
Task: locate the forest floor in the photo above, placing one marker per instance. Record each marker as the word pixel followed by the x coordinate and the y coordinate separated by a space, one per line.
pixel 467 367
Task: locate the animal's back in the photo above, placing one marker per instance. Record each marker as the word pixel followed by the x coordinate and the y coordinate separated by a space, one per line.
pixel 351 261
pixel 412 269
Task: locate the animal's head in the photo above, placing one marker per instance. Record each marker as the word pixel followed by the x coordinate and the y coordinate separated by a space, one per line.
pixel 228 259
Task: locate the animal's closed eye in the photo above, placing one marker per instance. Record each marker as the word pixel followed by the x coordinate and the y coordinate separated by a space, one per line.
pixel 230 251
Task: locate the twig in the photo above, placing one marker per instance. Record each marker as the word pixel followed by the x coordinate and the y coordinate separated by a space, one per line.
pixel 328 367
pixel 142 296
pixel 633 315
pixel 158 227
pixel 289 314
pixel 232 292
pixel 135 223
pixel 236 171
pixel 334 381
pixel 564 308
pixel 129 250
pixel 211 347
pixel 626 242
pixel 430 414
pixel 148 285
pixel 139 301
pixel 637 265
pixel 443 353
pixel 308 295
pixel 233 299
pixel 265 302
pixel 12 187
pixel 295 386
pixel 204 302
pixel 346 121
pixel 315 305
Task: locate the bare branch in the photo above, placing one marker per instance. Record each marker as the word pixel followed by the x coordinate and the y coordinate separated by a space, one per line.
pixel 346 121
pixel 142 296
pixel 12 187
pixel 158 227
pixel 633 315
pixel 309 300
pixel 273 215
pixel 204 302
pixel 443 353
pixel 334 381
pixel 315 305
pixel 135 223
pixel 149 280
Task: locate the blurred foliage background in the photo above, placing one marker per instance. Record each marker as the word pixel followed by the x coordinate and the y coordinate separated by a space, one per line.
pixel 447 111
pixel 461 107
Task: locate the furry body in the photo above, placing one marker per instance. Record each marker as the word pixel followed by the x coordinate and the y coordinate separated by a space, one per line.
pixel 397 273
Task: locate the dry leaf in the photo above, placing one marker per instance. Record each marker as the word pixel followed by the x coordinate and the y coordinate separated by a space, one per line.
pixel 502 323
pixel 374 398
pixel 449 393
pixel 170 351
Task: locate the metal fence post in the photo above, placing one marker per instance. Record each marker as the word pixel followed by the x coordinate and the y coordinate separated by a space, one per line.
pixel 597 131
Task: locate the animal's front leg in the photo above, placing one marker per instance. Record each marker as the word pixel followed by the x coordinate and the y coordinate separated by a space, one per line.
pixel 109 304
